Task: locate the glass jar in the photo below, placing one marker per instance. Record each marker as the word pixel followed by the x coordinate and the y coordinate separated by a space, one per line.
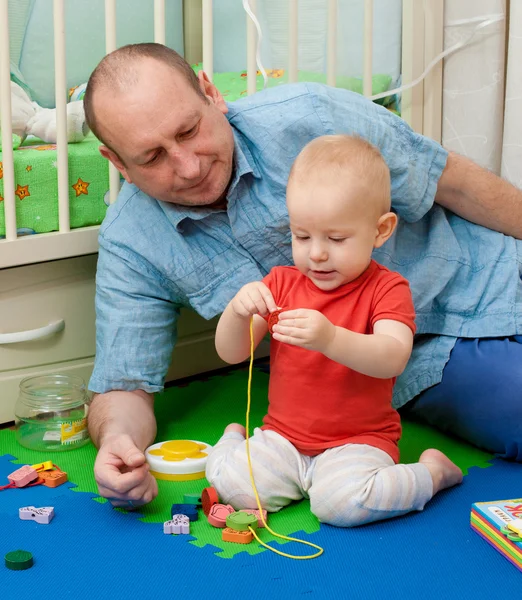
pixel 51 412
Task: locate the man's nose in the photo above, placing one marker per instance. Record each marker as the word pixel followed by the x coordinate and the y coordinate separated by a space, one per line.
pixel 186 164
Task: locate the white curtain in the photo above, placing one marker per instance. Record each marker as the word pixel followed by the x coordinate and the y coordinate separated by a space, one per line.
pixel 512 141
pixel 473 82
pixel 482 89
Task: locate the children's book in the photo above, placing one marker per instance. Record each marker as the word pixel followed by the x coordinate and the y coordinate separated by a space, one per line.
pixel 500 524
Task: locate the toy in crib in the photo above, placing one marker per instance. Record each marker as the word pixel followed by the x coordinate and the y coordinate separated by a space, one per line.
pixel 28 118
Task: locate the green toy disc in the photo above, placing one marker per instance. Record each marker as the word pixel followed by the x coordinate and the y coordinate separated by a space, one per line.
pixel 19 560
pixel 241 521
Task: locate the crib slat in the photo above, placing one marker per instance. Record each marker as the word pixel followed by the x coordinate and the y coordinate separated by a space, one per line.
pixel 293 41
pixel 110 25
pixel 368 47
pixel 332 43
pixel 208 39
pixel 412 60
pixel 159 21
pixel 61 115
pixel 433 46
pixel 7 130
pixel 110 46
pixel 251 51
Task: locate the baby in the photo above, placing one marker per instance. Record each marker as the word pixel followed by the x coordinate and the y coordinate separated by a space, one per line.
pixel 344 333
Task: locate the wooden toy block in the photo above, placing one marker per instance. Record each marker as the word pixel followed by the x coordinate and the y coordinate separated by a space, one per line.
pixel 179 524
pixel 238 537
pixel 43 466
pixel 273 319
pixel 241 521
pixel 23 476
pixel 189 510
pixel 19 560
pixel 257 514
pixel 209 497
pixel 42 515
pixel 218 514
pixel 192 499
pixel 52 479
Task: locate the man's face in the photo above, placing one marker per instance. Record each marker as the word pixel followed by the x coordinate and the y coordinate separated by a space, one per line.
pixel 173 145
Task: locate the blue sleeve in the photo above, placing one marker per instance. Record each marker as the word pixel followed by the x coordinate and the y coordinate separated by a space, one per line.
pixel 415 161
pixel 136 321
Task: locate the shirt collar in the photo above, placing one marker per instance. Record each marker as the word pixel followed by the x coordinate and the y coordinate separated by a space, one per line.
pixel 243 164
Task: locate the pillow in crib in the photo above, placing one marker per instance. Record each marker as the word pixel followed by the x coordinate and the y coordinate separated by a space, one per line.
pixel 233 85
pixel 85 39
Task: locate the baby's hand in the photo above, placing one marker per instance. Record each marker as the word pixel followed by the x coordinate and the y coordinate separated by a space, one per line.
pixel 253 299
pixel 304 327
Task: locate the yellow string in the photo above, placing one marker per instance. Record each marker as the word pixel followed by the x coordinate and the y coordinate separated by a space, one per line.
pixel 283 537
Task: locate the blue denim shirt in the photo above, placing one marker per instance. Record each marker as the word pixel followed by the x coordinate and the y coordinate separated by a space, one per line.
pixel 157 257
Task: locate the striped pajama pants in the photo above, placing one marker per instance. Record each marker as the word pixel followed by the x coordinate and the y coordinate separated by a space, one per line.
pixel 347 486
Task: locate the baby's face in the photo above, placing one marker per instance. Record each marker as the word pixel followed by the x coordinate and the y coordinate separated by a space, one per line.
pixel 333 232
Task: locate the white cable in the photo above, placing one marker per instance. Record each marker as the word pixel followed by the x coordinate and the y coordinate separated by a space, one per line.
pixel 457 46
pixel 249 12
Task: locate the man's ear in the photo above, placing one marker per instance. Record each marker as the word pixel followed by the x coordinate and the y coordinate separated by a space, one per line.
pixel 211 92
pixel 116 161
pixel 385 227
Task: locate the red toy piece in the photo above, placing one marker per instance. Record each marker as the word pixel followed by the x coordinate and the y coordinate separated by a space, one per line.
pixel 209 497
pixel 273 318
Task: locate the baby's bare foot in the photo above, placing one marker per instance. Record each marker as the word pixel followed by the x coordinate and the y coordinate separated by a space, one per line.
pixel 444 473
pixel 236 427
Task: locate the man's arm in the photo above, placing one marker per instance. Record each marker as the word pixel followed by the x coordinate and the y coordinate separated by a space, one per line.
pixel 478 195
pixel 129 413
pixel 122 425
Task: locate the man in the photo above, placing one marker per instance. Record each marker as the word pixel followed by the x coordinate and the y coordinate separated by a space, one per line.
pixel 203 212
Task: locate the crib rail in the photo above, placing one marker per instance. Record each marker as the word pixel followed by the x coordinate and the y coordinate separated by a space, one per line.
pixel 421 107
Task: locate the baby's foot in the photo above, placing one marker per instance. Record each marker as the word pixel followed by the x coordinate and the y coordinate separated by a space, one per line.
pixel 444 473
pixel 236 427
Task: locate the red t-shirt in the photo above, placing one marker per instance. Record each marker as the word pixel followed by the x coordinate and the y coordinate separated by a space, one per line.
pixel 317 403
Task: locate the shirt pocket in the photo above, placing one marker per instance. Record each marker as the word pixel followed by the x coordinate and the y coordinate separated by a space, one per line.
pixel 216 292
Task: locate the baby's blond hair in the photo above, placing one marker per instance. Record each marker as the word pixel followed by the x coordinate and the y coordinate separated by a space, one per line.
pixel 339 158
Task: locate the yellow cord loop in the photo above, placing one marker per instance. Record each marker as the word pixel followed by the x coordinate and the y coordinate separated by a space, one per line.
pixel 283 537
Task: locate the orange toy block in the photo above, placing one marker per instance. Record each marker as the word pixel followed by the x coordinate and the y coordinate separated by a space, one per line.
pixel 52 479
pixel 238 537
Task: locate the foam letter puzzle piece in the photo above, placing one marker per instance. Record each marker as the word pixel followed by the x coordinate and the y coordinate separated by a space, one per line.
pixel 218 514
pixel 43 515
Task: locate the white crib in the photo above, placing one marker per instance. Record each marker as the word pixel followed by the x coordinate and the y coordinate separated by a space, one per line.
pixel 47 280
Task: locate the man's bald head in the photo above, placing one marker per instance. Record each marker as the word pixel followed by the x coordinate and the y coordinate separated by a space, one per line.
pixel 118 72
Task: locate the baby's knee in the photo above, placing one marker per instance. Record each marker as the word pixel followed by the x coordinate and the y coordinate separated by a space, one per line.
pixel 347 513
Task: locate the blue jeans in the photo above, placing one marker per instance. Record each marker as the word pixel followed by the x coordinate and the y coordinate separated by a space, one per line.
pixel 480 396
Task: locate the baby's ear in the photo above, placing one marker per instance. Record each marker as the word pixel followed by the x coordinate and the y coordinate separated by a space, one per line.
pixel 385 227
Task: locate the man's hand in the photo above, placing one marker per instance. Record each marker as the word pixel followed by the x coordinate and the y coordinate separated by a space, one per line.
pixel 122 473
pixel 253 299
pixel 306 328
